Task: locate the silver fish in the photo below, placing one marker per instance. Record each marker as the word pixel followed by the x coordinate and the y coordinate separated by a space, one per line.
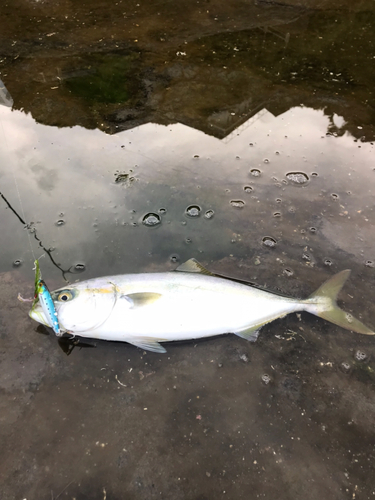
pixel 189 303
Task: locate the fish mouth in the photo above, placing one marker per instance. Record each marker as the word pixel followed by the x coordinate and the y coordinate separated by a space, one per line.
pixel 37 314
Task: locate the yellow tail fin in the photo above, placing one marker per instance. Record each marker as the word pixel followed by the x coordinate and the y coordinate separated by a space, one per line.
pixel 323 303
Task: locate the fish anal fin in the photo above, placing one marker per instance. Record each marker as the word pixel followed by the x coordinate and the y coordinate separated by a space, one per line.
pixel 193 266
pixel 148 344
pixel 141 299
pixel 251 334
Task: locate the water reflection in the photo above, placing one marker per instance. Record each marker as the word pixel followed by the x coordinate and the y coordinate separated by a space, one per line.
pixel 5 97
pixel 218 73
pixel 100 213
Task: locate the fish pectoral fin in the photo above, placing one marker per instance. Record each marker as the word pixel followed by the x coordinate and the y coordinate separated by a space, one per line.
pixel 148 344
pixel 141 299
pixel 250 334
pixel 193 266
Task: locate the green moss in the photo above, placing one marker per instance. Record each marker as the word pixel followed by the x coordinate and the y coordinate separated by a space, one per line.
pixel 110 78
pixel 364 372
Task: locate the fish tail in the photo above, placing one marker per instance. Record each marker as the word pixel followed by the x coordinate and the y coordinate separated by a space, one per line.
pixel 323 303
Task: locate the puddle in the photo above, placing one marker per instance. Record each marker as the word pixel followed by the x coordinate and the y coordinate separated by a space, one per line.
pixel 131 142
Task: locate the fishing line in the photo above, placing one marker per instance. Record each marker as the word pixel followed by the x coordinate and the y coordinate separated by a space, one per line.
pixel 30 229
pixel 28 226
pixel 18 193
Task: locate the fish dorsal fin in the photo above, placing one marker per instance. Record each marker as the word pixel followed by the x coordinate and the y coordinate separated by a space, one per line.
pixel 148 344
pixel 193 266
pixel 141 299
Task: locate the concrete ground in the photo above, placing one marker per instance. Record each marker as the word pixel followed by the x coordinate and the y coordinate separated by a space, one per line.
pixel 290 416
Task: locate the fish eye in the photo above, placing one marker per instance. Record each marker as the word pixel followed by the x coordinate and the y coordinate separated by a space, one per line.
pixel 65 296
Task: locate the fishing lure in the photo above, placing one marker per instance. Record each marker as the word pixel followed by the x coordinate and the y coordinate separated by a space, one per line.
pixel 43 296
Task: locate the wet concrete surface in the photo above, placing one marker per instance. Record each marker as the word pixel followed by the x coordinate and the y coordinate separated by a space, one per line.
pixel 219 418
pixel 257 113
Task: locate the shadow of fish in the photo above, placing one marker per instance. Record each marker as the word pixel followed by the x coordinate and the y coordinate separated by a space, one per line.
pixel 189 303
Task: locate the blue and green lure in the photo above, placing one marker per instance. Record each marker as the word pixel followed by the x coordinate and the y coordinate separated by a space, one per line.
pixel 43 295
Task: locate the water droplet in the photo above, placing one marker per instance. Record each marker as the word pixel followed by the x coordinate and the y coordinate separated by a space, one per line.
pixel 80 267
pixel 251 144
pixel 237 203
pixel 61 214
pixel 162 211
pixel 297 177
pixel 266 160
pixel 369 263
pixel 334 196
pixel 196 156
pixel 288 272
pixel 269 242
pixel 151 220
pixel 122 177
pixel 209 214
pixel 278 200
pixel 360 355
pixel 306 256
pixel 17 262
pixel 328 262
pixel 314 174
pixel 255 172
pixel 349 318
pixel 277 214
pixel 312 229
pixel 134 224
pixel 277 152
pixel 291 210
pixel 345 367
pixel 193 211
pixel 174 258
pixel 266 379
pixel 60 222
pixel 247 189
pixel 188 240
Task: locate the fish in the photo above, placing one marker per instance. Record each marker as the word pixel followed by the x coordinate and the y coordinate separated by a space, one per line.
pixel 148 309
